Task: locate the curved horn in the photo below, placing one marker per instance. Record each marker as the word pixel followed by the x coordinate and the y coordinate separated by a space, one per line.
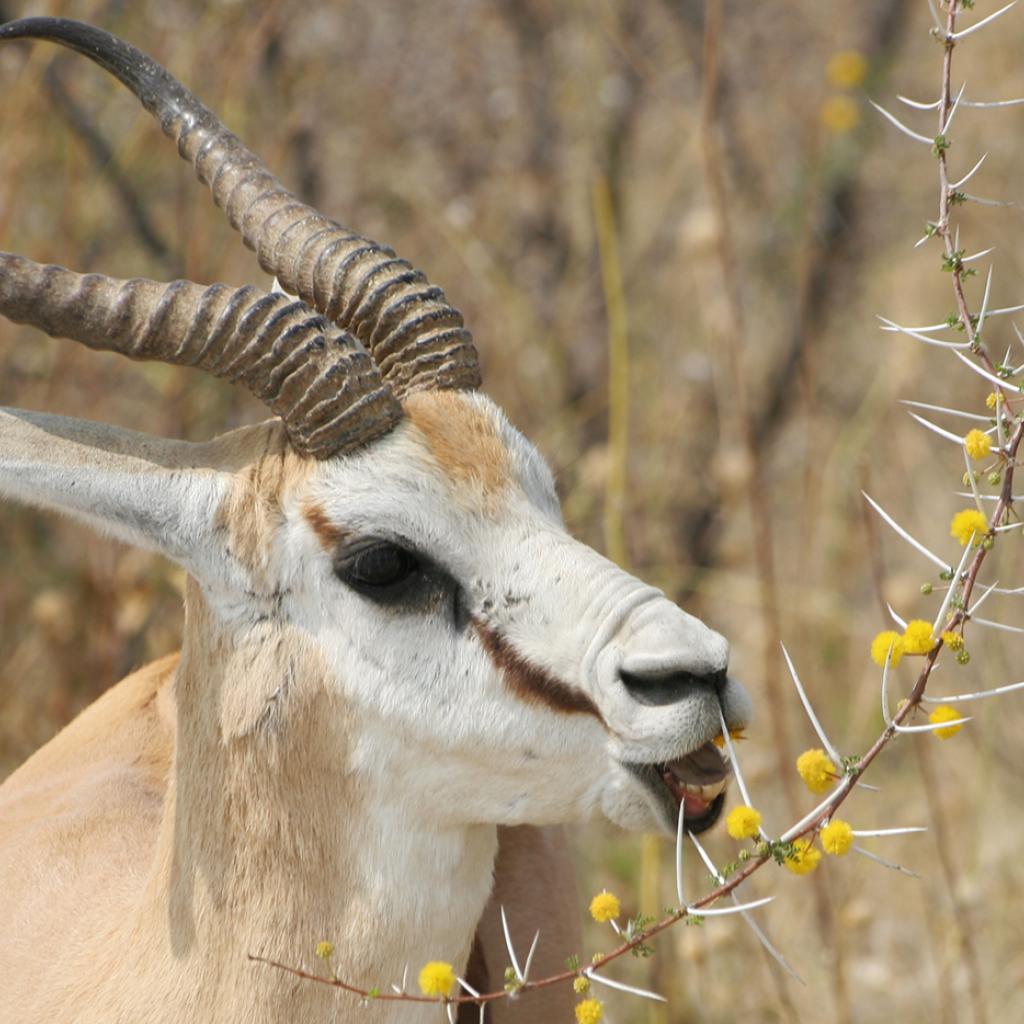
pixel 317 378
pixel 416 338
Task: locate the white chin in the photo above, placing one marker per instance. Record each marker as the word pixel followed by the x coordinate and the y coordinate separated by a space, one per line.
pixel 630 805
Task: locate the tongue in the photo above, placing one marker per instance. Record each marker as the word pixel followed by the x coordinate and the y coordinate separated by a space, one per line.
pixel 693 805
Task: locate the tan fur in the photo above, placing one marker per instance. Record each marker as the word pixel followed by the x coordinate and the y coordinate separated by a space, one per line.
pixel 120 876
pixel 192 815
pixel 252 513
pixel 463 440
pixel 535 882
pixel 146 887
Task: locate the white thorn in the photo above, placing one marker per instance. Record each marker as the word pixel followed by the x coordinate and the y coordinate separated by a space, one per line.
pixel 622 986
pixel 970 174
pixel 708 862
pixel 997 625
pixel 400 990
pixel 884 862
pixel 984 21
pixel 469 988
pixel 981 600
pixel 901 126
pixel 508 945
pixel 903 533
pixel 984 302
pixel 982 372
pixel 938 342
pixel 680 843
pixel 918 105
pixel 957 576
pixel 991 104
pixel 953 109
pixel 770 949
pixel 833 753
pixel 735 762
pixel 725 911
pixel 994 497
pixel 924 329
pixel 978 255
pixel 975 493
pixel 886 715
pixel 901 622
pixel 974 417
pixel 529 956
pixel 1005 310
pixel 948 435
pixel 865 833
pixel 984 201
pixel 978 695
pixel 931 726
pixel 844 785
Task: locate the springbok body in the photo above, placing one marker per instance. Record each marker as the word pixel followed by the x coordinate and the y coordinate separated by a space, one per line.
pixel 392 647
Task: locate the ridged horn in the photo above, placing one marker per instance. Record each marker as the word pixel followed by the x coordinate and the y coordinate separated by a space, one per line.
pixel 416 338
pixel 317 378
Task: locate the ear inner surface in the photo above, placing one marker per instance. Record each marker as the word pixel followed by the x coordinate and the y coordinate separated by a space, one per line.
pixel 147 491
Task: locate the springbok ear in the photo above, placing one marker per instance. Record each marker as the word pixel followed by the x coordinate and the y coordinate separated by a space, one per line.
pixel 147 491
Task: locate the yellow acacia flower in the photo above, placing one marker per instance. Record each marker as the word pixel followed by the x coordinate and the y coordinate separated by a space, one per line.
pixel 743 822
pixel 816 769
pixel 846 69
pixel 589 1011
pixel 580 984
pixel 944 713
pixel 605 906
pixel 881 645
pixel 436 978
pixel 954 641
pixel 734 734
pixel 325 950
pixel 804 858
pixel 918 637
pixel 840 115
pixel 990 399
pixel 837 837
pixel 966 523
pixel 978 444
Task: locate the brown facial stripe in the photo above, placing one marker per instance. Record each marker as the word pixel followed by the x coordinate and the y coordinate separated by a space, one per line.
pixel 327 533
pixel 531 684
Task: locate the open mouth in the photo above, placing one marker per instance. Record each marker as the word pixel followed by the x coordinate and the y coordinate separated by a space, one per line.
pixel 696 781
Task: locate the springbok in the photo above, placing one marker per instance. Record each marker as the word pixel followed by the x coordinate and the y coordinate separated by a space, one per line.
pixel 393 652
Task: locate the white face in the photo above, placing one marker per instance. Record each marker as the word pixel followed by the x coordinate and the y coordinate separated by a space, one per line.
pixel 499 670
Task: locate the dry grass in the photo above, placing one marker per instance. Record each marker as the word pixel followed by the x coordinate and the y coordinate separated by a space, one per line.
pixel 470 135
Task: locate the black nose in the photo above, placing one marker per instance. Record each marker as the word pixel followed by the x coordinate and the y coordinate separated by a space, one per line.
pixel 659 688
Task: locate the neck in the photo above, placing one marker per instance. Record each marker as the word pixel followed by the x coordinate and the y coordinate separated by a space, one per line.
pixel 272 839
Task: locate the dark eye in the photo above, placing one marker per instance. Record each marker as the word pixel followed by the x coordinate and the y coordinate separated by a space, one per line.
pixel 377 568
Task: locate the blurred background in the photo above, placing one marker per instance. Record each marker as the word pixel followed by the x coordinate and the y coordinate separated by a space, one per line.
pixel 670 226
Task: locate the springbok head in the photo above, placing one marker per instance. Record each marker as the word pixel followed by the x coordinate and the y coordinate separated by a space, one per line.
pixel 389 531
